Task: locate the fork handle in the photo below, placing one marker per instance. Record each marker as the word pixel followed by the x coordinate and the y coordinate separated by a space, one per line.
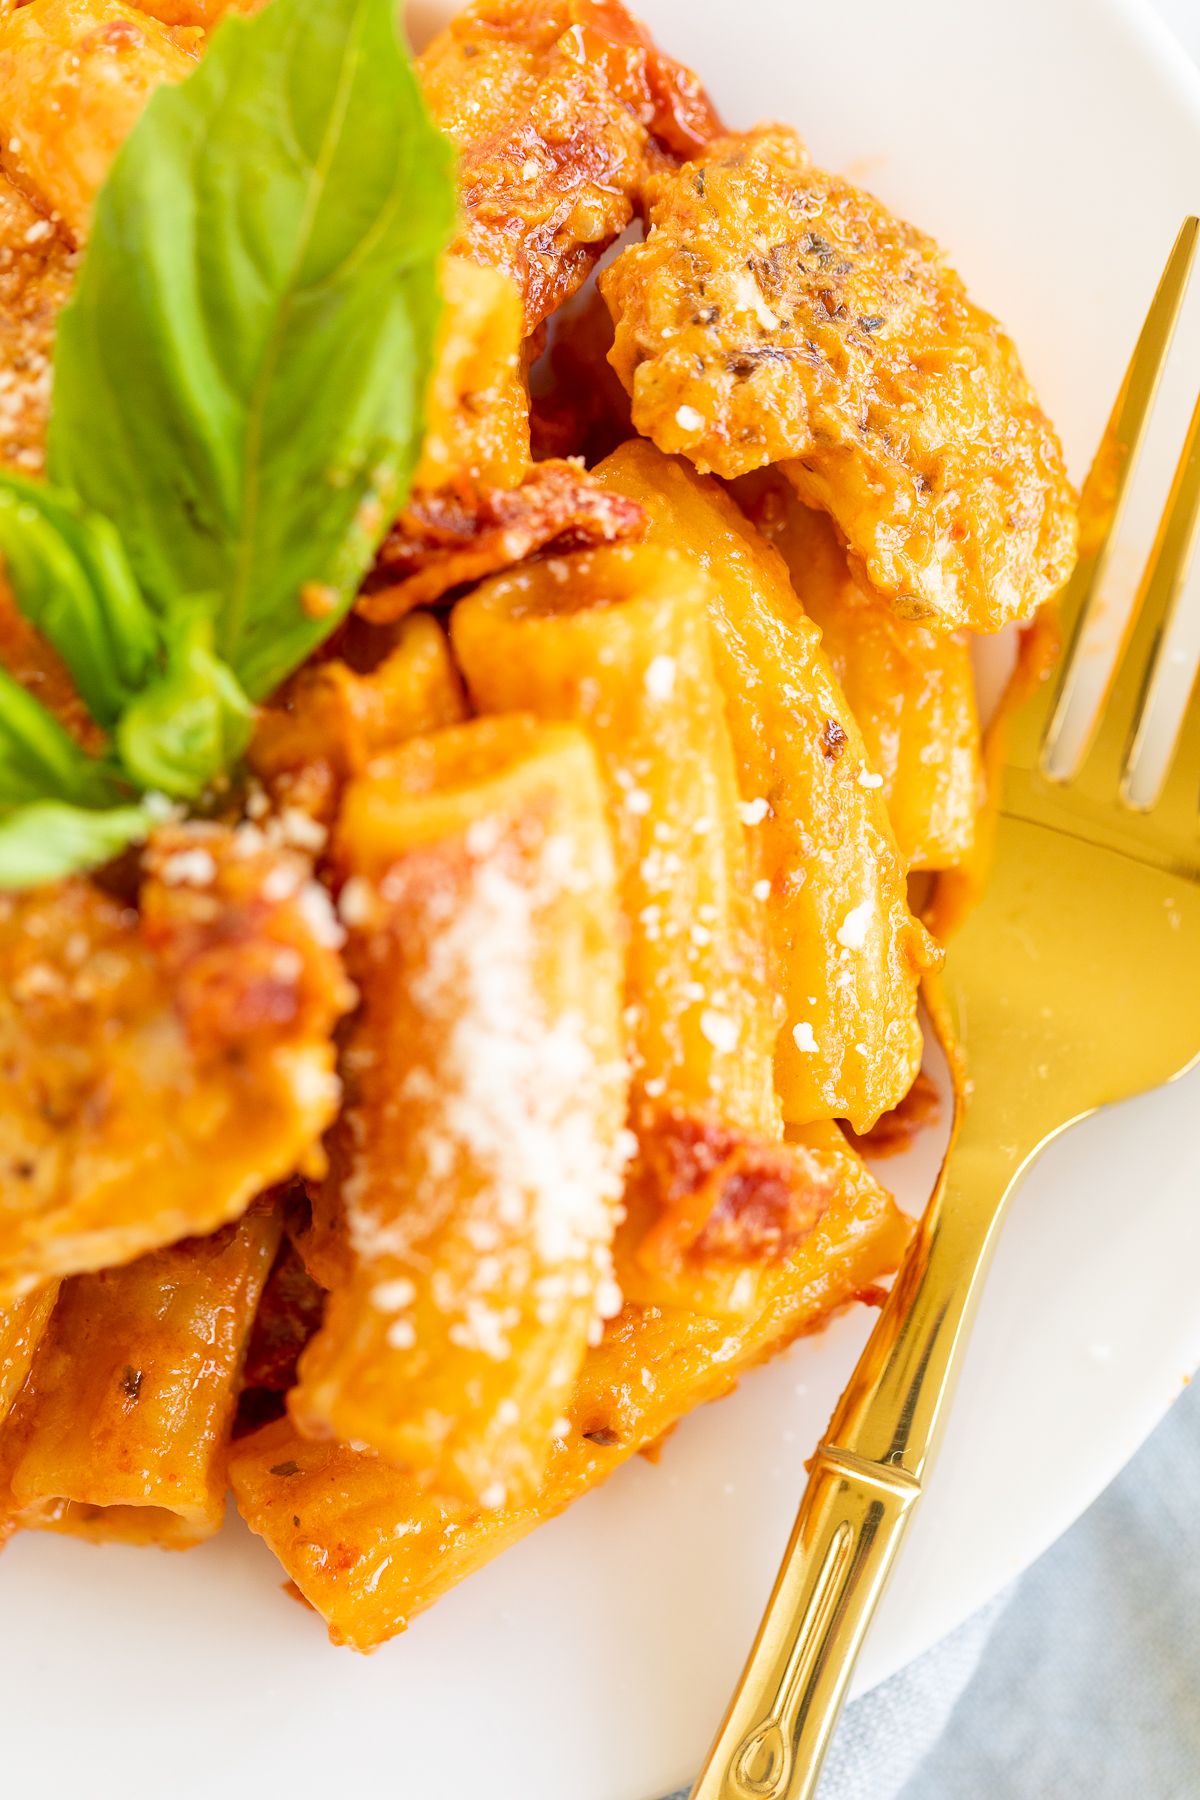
pixel 775 1735
pixel 865 1480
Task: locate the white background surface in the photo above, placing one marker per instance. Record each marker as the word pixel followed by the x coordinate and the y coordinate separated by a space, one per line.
pixel 1052 145
pixel 1183 16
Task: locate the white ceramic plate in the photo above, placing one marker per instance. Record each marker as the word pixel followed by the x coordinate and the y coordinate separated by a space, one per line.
pixel 1053 146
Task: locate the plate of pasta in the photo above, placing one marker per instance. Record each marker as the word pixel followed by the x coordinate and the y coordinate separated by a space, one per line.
pixel 506 561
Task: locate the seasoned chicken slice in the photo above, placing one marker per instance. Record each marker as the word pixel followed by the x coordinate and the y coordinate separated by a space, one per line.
pixel 776 313
pixel 558 108
pixel 160 1067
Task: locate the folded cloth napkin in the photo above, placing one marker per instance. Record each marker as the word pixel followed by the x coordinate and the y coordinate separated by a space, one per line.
pixel 1090 1684
pixel 1082 1679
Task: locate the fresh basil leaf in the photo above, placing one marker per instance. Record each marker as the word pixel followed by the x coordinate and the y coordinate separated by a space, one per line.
pixel 191 723
pixel 239 378
pixel 71 579
pixel 38 759
pixel 47 839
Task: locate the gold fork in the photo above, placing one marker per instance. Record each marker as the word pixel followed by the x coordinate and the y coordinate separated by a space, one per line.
pixel 1074 982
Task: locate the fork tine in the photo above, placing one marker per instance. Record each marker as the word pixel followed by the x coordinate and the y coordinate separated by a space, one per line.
pixel 1158 597
pixel 1119 731
pixel 1106 489
pixel 1177 810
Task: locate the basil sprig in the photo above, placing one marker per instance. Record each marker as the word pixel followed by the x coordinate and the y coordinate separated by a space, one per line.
pixel 238 388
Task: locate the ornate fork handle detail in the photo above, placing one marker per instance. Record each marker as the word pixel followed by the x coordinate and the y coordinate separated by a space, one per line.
pixel 842 1546
pixel 762 1763
pixel 865 1480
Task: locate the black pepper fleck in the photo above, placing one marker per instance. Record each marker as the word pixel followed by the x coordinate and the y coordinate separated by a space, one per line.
pixel 814 245
pixel 131 1383
pixel 284 1468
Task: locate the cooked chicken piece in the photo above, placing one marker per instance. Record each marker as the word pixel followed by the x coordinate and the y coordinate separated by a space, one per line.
pixel 448 539
pixel 74 77
pixel 775 312
pixel 558 108
pixel 161 1067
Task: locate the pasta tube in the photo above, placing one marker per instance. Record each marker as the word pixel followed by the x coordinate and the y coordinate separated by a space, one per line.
pixel 911 690
pixel 846 953
pixel 478 1161
pixel 618 640
pixel 22 1324
pixel 476 407
pixel 122 1429
pixel 330 721
pixel 368 1547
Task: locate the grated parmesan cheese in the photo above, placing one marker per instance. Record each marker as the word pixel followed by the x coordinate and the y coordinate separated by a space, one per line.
pixel 510 1106
pixel 660 677
pixel 853 931
pixel 190 868
pixel 719 1029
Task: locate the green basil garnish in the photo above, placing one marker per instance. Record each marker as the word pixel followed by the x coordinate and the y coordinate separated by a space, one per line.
pixel 239 381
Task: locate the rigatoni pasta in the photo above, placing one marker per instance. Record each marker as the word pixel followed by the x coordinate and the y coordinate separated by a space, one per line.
pixel 618 641
pixel 328 724
pixel 122 1428
pixel 476 409
pixel 506 893
pixel 370 1547
pixel 910 689
pixel 846 952
pixel 478 1161
pixel 22 1323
